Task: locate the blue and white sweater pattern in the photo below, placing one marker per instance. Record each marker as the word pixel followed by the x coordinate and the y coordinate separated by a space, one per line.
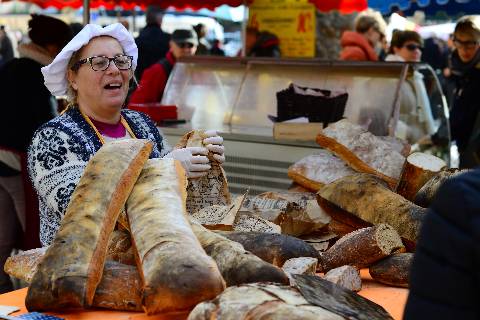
pixel 59 153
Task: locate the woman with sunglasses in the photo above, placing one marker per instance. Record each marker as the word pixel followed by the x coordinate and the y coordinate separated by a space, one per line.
pixel 94 69
pixel 183 43
pixel 406 46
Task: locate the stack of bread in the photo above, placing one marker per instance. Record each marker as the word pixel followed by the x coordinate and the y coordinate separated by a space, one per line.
pixel 157 257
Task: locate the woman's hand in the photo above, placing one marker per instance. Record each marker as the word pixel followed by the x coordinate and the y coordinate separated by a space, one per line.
pixel 214 143
pixel 193 159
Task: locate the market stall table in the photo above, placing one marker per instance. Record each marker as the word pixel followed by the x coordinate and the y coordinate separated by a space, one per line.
pixel 391 298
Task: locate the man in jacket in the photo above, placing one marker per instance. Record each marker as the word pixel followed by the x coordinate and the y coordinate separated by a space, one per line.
pixel 152 42
pixel 154 79
pixel 465 70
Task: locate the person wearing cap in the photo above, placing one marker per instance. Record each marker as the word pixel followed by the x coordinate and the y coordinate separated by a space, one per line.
pixel 26 104
pixel 360 45
pixel 154 79
pixel 95 69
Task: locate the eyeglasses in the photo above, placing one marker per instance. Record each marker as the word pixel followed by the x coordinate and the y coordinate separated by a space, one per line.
pixel 101 63
pixel 185 45
pixel 413 47
pixel 465 44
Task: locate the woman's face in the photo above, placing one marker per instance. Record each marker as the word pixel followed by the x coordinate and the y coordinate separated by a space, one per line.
pixel 411 51
pixel 100 94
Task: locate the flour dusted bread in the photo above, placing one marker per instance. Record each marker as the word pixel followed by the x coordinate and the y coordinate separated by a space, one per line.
pixel 175 270
pixel 317 170
pixel 363 151
pixel 24 265
pixel 259 301
pixel 72 267
pixel 363 199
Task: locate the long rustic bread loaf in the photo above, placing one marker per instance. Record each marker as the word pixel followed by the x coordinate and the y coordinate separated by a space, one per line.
pixel 72 267
pixel 366 198
pixel 237 265
pixel 211 189
pixel 417 170
pixel 317 170
pixel 24 265
pixel 428 191
pixel 120 247
pixel 259 301
pixel 393 270
pixel 363 151
pixel 175 270
pixel 362 248
pixel 119 289
pixel 271 247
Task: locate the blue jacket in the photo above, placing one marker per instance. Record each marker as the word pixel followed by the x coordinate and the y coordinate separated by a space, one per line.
pixel 445 274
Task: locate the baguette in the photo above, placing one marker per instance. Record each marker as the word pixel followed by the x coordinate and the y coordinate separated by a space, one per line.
pixel 271 247
pixel 363 198
pixel 119 289
pixel 237 265
pixel 176 272
pixel 72 267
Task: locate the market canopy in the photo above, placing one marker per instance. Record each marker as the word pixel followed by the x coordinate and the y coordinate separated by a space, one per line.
pixel 449 6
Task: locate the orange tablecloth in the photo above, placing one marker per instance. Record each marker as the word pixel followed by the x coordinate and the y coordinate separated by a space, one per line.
pixel 392 299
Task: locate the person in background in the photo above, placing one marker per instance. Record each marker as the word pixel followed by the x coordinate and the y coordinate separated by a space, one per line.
pixel 26 105
pixel 465 71
pixel 76 27
pixel 152 42
pixel 261 43
pixel 406 46
pixel 361 44
pixel 203 47
pixel 94 69
pixel 217 48
pixel 154 79
pixel 6 48
pixel 444 276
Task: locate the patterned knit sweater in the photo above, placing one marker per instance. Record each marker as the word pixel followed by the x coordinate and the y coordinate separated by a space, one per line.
pixel 59 153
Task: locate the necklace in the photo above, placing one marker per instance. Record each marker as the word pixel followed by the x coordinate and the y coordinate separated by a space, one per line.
pixel 99 135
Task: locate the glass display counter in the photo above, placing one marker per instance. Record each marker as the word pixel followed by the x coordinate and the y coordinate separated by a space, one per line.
pixel 236 95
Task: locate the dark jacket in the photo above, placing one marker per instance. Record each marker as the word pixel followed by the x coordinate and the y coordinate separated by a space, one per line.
pixel 26 103
pixel 153 44
pixel 465 103
pixel 445 274
pixel 267 45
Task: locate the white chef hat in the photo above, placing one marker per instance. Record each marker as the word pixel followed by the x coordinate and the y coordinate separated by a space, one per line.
pixel 55 74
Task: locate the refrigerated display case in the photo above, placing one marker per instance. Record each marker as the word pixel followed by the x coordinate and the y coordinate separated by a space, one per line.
pixel 236 95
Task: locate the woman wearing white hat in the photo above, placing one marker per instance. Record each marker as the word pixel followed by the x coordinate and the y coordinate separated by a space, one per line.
pixel 94 69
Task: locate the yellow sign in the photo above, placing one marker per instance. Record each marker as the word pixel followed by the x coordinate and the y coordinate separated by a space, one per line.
pixel 292 21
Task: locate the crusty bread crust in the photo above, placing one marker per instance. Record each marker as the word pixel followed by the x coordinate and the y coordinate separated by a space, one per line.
pixel 81 241
pixel 353 161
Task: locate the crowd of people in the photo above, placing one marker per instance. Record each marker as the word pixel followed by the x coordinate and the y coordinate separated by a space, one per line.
pixel 96 67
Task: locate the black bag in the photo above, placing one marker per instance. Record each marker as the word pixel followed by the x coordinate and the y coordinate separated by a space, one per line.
pixel 318 105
